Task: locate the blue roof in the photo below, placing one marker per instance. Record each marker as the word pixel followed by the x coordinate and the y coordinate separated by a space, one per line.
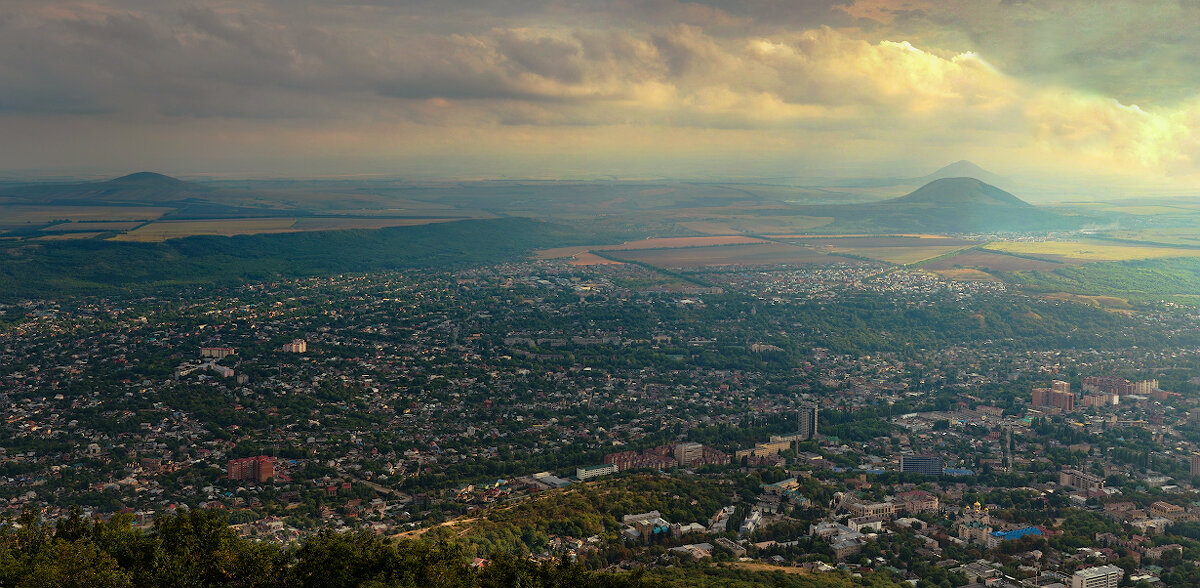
pixel 1017 533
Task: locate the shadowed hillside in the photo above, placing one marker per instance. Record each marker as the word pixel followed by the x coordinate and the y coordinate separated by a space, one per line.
pixel 30 269
pixel 948 205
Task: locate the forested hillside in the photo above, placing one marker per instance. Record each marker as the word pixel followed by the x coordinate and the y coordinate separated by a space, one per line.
pixel 198 549
pixel 90 266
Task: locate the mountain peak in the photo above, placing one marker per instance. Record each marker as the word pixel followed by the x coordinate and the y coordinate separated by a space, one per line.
pixel 965 169
pixel 961 191
pixel 147 179
pixel 962 164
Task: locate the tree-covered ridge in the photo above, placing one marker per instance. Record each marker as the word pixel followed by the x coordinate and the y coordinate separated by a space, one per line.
pixel 199 549
pixel 1146 279
pixel 51 268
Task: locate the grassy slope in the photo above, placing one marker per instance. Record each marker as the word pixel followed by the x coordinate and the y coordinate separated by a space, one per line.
pixel 1137 280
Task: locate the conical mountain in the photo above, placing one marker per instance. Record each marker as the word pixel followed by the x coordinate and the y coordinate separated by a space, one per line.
pixel 960 192
pixel 965 169
pixel 147 179
pixel 962 205
pixel 144 188
pixel 946 205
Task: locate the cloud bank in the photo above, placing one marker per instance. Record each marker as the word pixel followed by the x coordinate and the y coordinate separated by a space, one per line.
pixel 626 87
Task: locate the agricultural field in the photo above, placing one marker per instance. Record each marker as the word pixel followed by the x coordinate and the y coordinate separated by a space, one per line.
pixel 15 216
pixel 1088 250
pixel 1154 207
pixel 899 255
pixel 561 252
pixel 748 219
pixel 810 236
pixel 978 259
pixel 891 249
pixel 676 242
pixel 1145 209
pixel 69 236
pixel 1148 210
pixel 659 243
pixel 897 241
pixel 589 258
pixel 726 255
pixel 407 208
pixel 173 229
pixel 338 224
pixel 75 227
pixel 710 227
pixel 745 250
pixel 761 225
pixel 1171 236
pixel 163 230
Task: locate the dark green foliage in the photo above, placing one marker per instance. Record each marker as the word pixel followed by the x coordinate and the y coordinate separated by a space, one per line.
pixel 1149 279
pixel 726 577
pixel 199 549
pixel 329 560
pixel 87 266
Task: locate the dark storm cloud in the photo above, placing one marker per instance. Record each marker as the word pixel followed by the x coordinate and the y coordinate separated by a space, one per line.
pixel 142 58
pixel 198 61
pixel 216 58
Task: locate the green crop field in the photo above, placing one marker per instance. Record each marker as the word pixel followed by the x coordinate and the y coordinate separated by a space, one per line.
pixel 13 216
pixel 163 230
pixel 339 224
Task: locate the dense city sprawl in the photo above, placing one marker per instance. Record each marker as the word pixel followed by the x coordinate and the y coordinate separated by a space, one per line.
pixel 864 417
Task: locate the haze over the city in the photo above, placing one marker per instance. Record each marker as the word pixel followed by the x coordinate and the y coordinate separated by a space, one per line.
pixel 623 88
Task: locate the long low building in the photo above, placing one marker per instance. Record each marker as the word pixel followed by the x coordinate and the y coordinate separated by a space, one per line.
pixel 869 509
pixel 595 471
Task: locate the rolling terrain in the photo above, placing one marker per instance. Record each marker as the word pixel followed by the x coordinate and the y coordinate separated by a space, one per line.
pixel 147 228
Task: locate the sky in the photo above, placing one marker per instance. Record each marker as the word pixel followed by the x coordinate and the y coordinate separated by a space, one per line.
pixel 752 89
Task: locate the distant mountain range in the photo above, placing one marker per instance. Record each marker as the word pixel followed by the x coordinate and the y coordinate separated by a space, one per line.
pixel 957 198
